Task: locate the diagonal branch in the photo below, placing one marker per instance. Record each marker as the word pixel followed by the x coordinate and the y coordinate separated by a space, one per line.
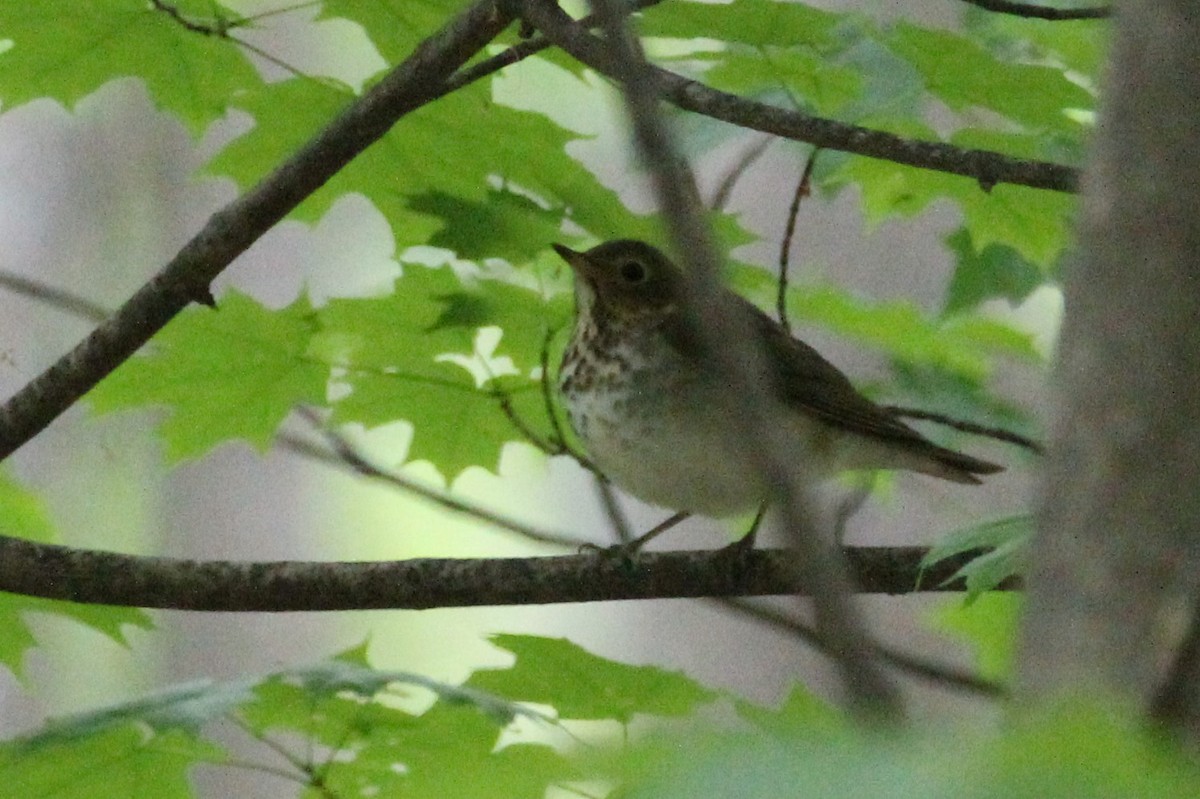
pixel 987 167
pixel 109 578
pixel 233 229
pixel 1034 11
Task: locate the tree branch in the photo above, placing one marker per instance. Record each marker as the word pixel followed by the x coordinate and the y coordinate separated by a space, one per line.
pixel 987 167
pixel 233 229
pixel 108 578
pixel 1032 11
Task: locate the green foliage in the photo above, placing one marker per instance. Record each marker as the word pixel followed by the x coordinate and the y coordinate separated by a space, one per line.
pixel 582 686
pixel 66 50
pixel 370 737
pixel 1007 541
pixel 988 625
pixel 23 515
pixel 1071 749
pixel 231 372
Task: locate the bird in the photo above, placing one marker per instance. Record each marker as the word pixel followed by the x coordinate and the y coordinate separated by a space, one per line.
pixel 649 412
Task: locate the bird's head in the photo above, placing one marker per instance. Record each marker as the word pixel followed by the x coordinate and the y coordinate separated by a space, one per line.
pixel 624 279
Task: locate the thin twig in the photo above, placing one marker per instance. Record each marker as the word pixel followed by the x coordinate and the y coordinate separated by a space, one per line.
pixel 1032 11
pixel 616 516
pixel 725 187
pixel 803 189
pixel 55 297
pixel 346 451
pixel 942 674
pixel 998 433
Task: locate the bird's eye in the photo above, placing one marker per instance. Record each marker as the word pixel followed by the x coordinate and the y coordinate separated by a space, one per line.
pixel 633 272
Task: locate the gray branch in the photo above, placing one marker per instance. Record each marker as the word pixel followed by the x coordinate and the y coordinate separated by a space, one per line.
pixel 987 167
pixel 109 578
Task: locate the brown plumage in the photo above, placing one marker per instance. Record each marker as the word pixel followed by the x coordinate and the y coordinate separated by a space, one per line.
pixel 639 395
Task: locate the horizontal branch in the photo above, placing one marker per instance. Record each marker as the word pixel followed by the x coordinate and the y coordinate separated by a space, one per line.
pixel 230 231
pixel 109 578
pixel 985 166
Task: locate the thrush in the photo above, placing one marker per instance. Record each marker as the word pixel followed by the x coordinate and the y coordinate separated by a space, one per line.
pixel 650 410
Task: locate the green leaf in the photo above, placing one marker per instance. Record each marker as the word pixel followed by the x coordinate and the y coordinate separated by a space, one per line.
pixel 66 49
pixel 1078 45
pixel 503 225
pixel 802 711
pixel 22 512
pixel 401 355
pixel 963 347
pixel 378 748
pixel 123 762
pixel 1034 223
pixel 396 27
pixel 805 79
pixel 996 270
pixel 1008 542
pixel 964 75
pixel 580 685
pixel 23 515
pixel 234 372
pixel 752 22
pixel 989 625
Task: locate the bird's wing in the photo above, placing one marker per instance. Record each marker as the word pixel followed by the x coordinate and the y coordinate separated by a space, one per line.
pixel 805 380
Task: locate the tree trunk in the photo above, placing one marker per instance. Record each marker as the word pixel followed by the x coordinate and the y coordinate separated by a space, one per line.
pixel 1114 572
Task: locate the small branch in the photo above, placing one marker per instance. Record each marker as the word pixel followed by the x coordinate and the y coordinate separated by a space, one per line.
pixel 803 189
pixel 346 453
pixel 233 229
pixel 725 187
pixel 998 433
pixel 54 297
pixel 940 674
pixel 984 166
pixel 108 578
pixel 1032 11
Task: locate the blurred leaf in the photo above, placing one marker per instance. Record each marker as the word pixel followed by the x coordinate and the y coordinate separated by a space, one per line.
pixel 751 22
pixel 580 685
pixel 801 712
pixel 989 625
pixel 65 50
pixel 119 762
pixel 1008 542
pixel 995 271
pixel 1091 748
pixel 962 74
pixel 22 512
pixel 1034 223
pixel 1079 45
pixel 234 372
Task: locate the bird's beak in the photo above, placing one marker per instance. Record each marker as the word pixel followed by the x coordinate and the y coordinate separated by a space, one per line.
pixel 583 266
